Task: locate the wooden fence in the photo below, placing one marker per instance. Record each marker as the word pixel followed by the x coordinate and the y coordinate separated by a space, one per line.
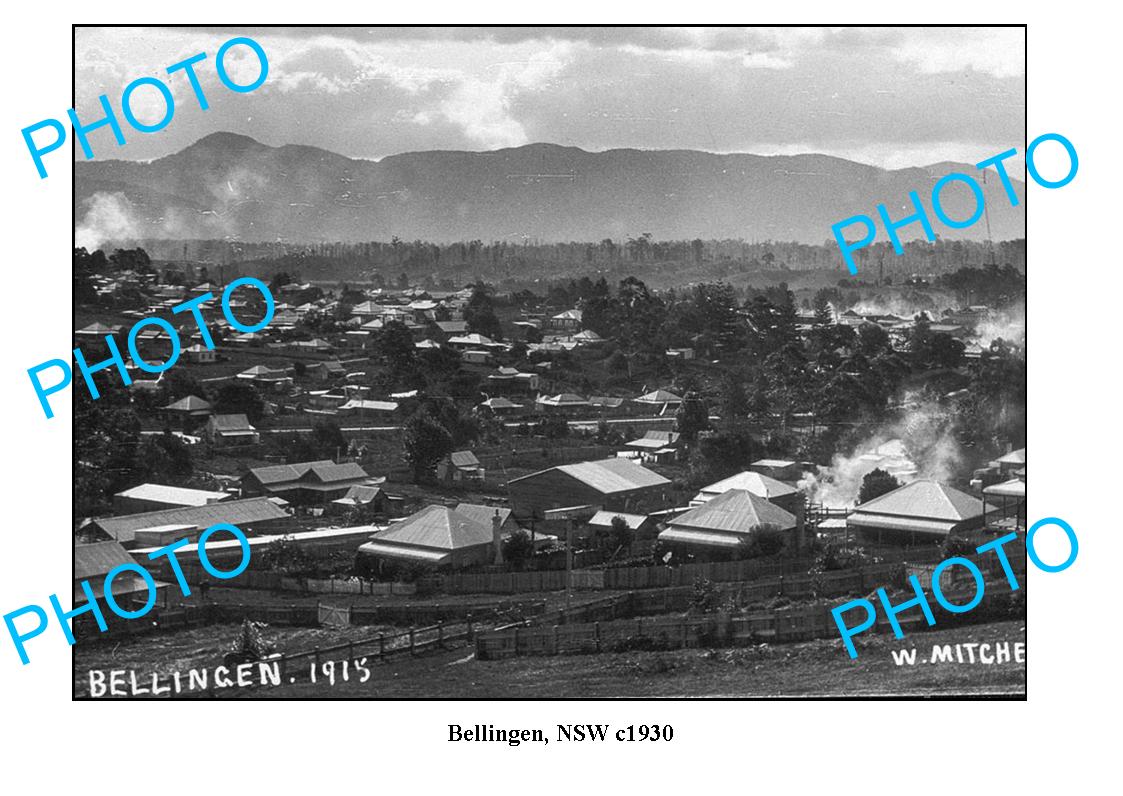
pixel 711 630
pixel 276 581
pixel 628 578
pixel 724 628
pixel 85 626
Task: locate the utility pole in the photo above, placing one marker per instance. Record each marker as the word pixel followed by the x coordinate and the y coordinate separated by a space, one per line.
pixel 568 563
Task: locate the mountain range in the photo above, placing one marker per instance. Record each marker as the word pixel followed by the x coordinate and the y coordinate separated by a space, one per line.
pixel 231 186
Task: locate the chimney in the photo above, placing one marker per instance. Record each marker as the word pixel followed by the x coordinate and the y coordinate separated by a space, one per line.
pixel 496 537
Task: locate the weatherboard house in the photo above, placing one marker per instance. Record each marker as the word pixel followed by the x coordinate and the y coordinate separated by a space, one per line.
pixel 720 527
pixel 439 536
pixel 920 511
pixel 306 482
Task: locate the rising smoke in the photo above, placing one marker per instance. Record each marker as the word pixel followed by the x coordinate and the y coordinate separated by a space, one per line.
pixel 920 444
pixel 108 217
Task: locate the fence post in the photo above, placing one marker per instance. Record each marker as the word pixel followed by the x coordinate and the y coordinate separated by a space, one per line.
pixel 316 657
pixel 468 620
pixel 781 585
pixel 381 647
pixel 516 640
pixel 441 635
pixel 411 641
pixel 596 630
pixel 555 639
pixel 350 650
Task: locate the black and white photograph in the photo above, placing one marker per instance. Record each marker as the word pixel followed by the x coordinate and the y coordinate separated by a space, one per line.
pixel 549 363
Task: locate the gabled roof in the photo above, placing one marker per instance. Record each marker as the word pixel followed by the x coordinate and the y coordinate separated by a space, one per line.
pixel 189 404
pixel 735 511
pixel 608 476
pixel 225 423
pixel 568 315
pixel 760 485
pixel 95 560
pixel 360 493
pixel 452 327
pixel 925 499
pixel 660 438
pixel 437 527
pixel 235 512
pixel 324 471
pixel 173 495
pixel 464 459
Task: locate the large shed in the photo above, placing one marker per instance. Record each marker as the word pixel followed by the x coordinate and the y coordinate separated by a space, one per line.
pixel 610 484
pixel 249 515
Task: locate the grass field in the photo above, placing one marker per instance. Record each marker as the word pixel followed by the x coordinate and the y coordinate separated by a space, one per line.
pixel 811 669
pixel 815 668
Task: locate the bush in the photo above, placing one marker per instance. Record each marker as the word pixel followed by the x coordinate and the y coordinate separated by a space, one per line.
pixel 518 548
pixel 704 599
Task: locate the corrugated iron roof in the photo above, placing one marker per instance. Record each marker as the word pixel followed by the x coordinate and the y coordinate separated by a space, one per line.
pixel 1015 488
pixel 927 499
pixel 235 512
pixel 609 476
pixel 464 459
pixel 705 538
pixel 94 560
pixel 387 550
pixel 735 511
pixel 483 514
pixel 1014 457
pixel 437 527
pixel 603 519
pixel 231 423
pixel 659 397
pixel 907 524
pixel 756 483
pixel 191 403
pixel 173 495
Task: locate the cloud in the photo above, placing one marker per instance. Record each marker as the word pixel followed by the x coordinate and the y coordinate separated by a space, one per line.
pixel 886 94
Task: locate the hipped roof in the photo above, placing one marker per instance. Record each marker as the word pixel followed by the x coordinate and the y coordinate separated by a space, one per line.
pixel 736 511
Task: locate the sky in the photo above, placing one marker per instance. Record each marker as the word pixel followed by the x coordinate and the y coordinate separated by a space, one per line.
pixel 891 97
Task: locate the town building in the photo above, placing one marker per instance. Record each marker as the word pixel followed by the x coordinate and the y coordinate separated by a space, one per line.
pixel 437 536
pixel 609 484
pixel 723 525
pixel 459 467
pixel 151 497
pixel 918 512
pixel 92 562
pixel 305 482
pixel 224 431
pixel 250 516
pixel 786 497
